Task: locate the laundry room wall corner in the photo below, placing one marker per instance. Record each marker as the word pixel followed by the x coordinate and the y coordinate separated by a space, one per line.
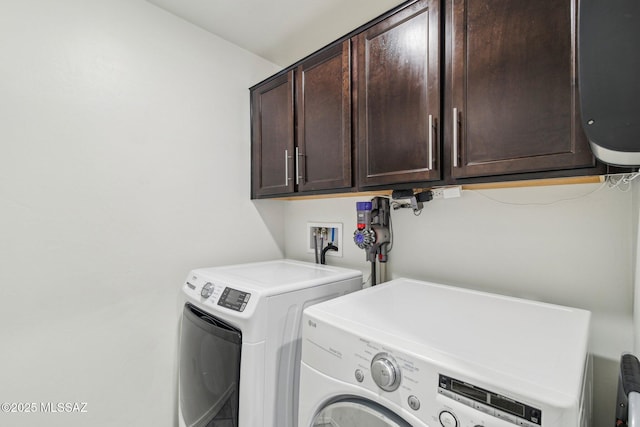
pixel 272 214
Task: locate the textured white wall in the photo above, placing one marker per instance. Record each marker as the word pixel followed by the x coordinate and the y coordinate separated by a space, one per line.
pixel 124 163
pixel 570 245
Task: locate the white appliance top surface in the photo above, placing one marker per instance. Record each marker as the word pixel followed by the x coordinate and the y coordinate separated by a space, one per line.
pixel 278 276
pixel 513 342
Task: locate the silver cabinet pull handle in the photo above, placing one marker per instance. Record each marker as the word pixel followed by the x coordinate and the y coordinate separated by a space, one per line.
pixel 455 137
pixel 299 158
pixel 430 164
pixel 297 167
pixel 286 167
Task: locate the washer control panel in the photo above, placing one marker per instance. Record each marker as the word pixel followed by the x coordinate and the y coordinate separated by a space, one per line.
pixel 489 403
pixel 399 379
pixel 421 389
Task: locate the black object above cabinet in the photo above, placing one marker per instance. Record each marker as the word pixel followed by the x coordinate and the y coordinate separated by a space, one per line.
pixel 609 32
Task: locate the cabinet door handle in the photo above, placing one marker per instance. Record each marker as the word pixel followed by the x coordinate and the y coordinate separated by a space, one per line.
pixel 299 177
pixel 286 168
pixel 430 164
pixel 297 166
pixel 455 137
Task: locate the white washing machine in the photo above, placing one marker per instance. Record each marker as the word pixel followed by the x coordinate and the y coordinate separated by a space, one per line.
pixel 240 340
pixel 417 354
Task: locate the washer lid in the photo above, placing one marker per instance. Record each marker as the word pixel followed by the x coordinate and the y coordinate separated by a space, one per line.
pixel 278 276
pixel 512 343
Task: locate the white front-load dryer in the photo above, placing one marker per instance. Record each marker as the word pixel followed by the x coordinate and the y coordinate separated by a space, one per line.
pixel 240 340
pixel 418 354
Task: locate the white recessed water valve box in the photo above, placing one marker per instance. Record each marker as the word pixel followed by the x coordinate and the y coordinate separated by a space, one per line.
pixel 324 233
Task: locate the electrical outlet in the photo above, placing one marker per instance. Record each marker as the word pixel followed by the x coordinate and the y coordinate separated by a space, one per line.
pixel 437 193
pixel 452 192
pixel 446 192
pixel 332 233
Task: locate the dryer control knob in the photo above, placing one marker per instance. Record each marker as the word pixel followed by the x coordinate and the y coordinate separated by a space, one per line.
pixel 207 290
pixel 385 372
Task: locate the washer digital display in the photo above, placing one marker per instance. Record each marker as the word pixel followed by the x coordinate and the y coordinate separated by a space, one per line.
pixel 500 404
pixel 234 299
pixel 508 405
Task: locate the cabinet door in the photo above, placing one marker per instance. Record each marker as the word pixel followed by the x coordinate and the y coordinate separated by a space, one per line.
pixel 513 96
pixel 323 106
pixel 272 142
pixel 398 97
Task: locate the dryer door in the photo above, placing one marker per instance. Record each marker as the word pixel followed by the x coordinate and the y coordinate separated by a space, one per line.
pixel 209 370
pixel 357 413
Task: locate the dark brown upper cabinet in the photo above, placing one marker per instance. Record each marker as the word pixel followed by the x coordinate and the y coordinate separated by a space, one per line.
pixel 323 107
pixel 398 97
pixel 433 92
pixel 273 150
pixel 311 150
pixel 511 100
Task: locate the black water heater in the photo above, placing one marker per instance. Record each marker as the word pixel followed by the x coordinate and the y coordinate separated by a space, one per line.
pixel 609 78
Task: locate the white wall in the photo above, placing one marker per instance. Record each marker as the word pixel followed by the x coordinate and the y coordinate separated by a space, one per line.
pixel 124 163
pixel 570 245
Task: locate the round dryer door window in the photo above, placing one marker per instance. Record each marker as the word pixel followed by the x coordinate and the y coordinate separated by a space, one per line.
pixel 357 413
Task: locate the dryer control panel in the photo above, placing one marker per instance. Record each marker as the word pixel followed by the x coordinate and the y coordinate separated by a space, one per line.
pixel 215 292
pixel 234 299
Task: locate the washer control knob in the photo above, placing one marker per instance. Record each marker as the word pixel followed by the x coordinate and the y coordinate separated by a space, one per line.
pixel 207 290
pixel 359 375
pixel 447 419
pixel 385 372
